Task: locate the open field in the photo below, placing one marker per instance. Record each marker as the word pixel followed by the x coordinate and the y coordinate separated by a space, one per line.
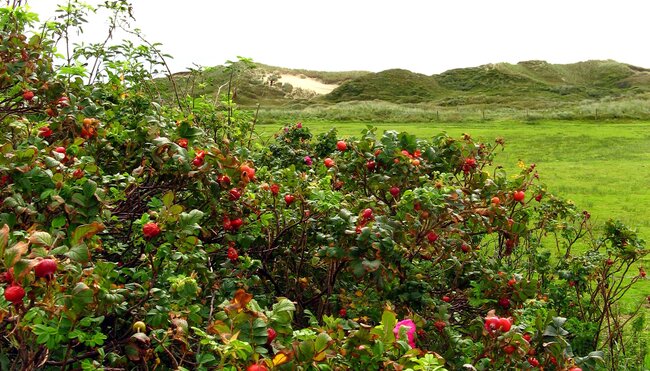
pixel 602 166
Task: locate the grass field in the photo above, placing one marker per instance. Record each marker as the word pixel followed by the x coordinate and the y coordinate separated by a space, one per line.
pixel 604 167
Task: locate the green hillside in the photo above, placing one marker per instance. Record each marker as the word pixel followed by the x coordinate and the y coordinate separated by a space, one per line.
pixel 493 82
pixel 394 85
pixel 251 84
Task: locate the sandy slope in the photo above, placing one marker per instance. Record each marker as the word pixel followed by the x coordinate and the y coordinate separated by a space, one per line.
pixel 307 83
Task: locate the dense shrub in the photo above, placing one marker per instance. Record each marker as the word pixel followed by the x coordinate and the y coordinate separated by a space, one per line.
pixel 136 234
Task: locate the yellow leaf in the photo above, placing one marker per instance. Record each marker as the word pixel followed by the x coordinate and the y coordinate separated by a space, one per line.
pixel 319 357
pixel 280 359
pixel 4 237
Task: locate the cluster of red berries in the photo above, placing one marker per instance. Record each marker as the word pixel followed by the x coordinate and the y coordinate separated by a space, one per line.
pixel 199 158
pixel 232 224
pixel 494 324
pixel 469 165
pixel 15 292
pixel 183 142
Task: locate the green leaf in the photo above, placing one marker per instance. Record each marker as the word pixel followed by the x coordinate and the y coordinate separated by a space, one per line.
pixel 89 188
pixel 357 268
pixel 59 222
pixel 41 239
pixel 306 351
pixel 25 154
pixel 322 342
pixel 59 250
pixel 86 231
pixel 81 297
pixel 79 199
pixel 388 322
pixel 284 305
pixel 14 253
pixel 205 358
pixel 176 209
pixel 189 221
pixel 79 253
pixel 161 141
pixel 168 199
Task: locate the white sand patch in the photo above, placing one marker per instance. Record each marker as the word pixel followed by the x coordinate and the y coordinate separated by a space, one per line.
pixel 307 83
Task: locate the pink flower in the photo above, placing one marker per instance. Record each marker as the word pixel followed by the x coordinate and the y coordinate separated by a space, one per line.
pixel 299 125
pixel 410 330
pixel 308 160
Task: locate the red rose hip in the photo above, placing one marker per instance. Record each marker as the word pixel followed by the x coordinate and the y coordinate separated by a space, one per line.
pixel 271 335
pixel 232 254
pixel 150 230
pixel 45 269
pixel 519 196
pixel 28 95
pixel 235 194
pixel 14 294
pixel 504 324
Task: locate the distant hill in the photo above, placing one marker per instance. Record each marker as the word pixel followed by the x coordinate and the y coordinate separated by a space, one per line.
pixel 492 82
pixel 529 84
pixel 264 84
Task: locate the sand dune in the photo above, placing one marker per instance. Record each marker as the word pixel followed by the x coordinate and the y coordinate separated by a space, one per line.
pixel 307 83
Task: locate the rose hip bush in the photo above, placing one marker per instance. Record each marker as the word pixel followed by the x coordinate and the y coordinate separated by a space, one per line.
pixel 142 233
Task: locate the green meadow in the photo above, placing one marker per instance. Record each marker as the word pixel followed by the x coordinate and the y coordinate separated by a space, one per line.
pixel 604 167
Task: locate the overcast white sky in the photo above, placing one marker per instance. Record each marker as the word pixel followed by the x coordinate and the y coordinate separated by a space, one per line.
pixel 425 36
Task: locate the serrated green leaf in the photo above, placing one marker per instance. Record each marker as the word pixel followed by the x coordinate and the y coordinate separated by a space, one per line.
pixel 79 199
pixel 79 253
pixel 322 342
pixel 284 305
pixel 89 188
pixel 14 253
pixel 59 250
pixel 41 239
pixel 51 162
pixel 59 222
pixel 86 231
pixel 161 141
pixel 205 358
